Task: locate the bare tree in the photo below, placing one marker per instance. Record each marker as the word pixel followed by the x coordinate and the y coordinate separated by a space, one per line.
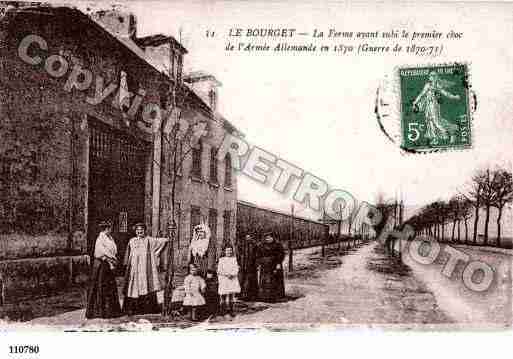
pixel 474 196
pixel 487 189
pixel 182 137
pixel 351 220
pixel 502 187
pixel 466 213
pixel 488 198
pixel 441 211
pixel 453 213
pixel 385 210
pixel 462 212
pixel 430 219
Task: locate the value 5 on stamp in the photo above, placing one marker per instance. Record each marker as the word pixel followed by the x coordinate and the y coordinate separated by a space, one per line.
pixel 435 107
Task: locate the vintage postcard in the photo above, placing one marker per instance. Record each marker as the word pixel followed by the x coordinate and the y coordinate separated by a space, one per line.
pixel 212 165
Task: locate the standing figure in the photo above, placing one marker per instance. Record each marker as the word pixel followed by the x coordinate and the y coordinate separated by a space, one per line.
pixel 249 270
pixel 102 296
pixel 199 247
pixel 228 270
pixel 193 286
pixel 428 101
pixel 211 293
pixel 270 256
pixel 141 277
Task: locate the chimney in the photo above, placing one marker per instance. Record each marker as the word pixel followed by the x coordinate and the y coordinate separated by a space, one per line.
pixel 163 52
pixel 118 21
pixel 206 86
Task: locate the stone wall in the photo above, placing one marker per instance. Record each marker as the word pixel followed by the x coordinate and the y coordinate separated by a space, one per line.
pixel 24 277
pixel 255 221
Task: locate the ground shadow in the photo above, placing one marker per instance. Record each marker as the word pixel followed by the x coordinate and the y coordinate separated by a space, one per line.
pixel 317 264
pixel 26 309
pixel 385 263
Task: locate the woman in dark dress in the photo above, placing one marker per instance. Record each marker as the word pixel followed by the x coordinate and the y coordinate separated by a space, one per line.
pixel 270 256
pixel 211 293
pixel 249 270
pixel 102 298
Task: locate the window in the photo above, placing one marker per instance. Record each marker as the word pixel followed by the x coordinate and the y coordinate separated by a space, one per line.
pixel 196 160
pixel 32 166
pixel 164 96
pixel 5 183
pixel 178 222
pixel 179 68
pixel 172 58
pixel 178 247
pixel 176 60
pixel 123 222
pixel 130 154
pixel 101 144
pixel 212 97
pixel 228 171
pixel 179 157
pixel 213 165
pixel 174 142
pixel 195 218
pixel 212 245
pixel 5 172
pixel 226 228
pixel 124 92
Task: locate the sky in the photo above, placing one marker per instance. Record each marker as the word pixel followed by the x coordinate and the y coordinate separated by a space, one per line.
pixel 316 111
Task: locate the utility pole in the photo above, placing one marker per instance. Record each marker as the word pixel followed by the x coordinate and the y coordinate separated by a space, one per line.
pixel 339 226
pixel 395 213
pixel 401 209
pixel 325 234
pixel 291 234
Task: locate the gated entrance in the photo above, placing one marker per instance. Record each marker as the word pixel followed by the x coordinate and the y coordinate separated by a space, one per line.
pixel 117 165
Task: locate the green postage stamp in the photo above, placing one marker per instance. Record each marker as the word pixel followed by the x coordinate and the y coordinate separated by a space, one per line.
pixel 435 107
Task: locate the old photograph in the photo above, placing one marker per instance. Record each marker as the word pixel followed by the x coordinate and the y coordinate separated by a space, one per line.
pixel 266 166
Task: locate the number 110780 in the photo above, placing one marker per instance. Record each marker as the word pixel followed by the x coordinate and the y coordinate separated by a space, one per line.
pixel 23 349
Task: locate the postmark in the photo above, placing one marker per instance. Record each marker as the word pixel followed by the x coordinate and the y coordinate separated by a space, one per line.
pixel 427 108
pixel 435 108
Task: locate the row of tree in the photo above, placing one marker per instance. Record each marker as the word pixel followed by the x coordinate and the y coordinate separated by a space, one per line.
pixel 487 189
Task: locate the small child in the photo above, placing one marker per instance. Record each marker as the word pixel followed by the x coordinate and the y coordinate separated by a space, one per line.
pixel 228 270
pixel 211 293
pixel 194 286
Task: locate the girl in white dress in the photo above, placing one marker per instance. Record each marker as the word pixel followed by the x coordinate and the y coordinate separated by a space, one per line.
pixel 194 287
pixel 227 271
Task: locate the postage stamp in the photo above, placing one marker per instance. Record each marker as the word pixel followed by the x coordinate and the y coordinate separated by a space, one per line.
pixel 435 107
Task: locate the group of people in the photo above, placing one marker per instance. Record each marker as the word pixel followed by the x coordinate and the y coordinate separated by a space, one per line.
pixel 215 293
pixel 262 272
pixel 141 282
pixel 261 276
pixel 207 290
